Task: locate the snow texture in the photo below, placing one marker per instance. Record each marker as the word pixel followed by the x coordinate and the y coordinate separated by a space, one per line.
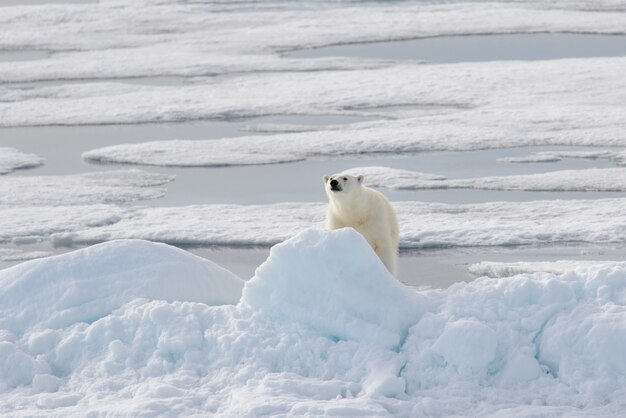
pixel 474 105
pixel 78 189
pixel 618 157
pixel 131 327
pixel 13 254
pixel 499 270
pixel 477 102
pixel 316 333
pixel 32 224
pixel 422 225
pixel 204 41
pixel 12 159
pixel 90 283
pixel 595 179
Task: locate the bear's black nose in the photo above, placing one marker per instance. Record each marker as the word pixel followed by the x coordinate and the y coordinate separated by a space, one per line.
pixel 333 183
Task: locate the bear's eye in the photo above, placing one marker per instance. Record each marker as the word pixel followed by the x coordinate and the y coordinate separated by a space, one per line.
pixel 345 179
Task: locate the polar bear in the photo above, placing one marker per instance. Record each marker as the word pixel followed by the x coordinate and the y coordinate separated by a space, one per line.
pixel 351 204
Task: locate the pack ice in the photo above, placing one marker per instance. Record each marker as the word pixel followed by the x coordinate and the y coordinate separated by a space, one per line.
pixel 133 328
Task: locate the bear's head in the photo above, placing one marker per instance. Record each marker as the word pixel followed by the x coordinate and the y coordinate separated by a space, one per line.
pixel 342 184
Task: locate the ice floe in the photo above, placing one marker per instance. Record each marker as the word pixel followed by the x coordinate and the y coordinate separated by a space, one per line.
pixel 481 107
pixel 618 157
pixel 184 60
pixel 117 272
pixel 79 189
pixel 12 159
pixel 594 179
pixel 34 224
pixel 282 26
pixel 315 333
pixel 485 100
pixel 422 225
pixel 500 269
pixel 14 254
pixel 193 153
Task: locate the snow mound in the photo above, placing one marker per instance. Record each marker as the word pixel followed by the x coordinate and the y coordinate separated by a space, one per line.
pixel 88 284
pixel 321 330
pixel 362 301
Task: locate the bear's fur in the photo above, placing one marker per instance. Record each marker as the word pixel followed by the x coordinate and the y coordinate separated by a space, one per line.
pixel 351 204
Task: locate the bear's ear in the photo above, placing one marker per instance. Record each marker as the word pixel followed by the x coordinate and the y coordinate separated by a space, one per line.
pixel 326 179
pixel 360 179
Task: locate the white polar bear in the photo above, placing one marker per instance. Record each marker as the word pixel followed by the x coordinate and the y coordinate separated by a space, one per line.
pixel 351 204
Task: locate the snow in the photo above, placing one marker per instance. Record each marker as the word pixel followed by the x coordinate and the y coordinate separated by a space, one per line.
pixel 117 186
pixel 479 126
pixel 33 224
pixel 189 153
pixel 499 269
pixel 110 339
pixel 567 102
pixel 479 99
pixel 594 179
pixel 552 156
pixel 12 159
pixel 474 105
pixel 90 283
pixel 147 61
pixel 12 254
pixel 131 327
pixel 422 225
pixel 394 178
pixel 357 317
pixel 208 40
